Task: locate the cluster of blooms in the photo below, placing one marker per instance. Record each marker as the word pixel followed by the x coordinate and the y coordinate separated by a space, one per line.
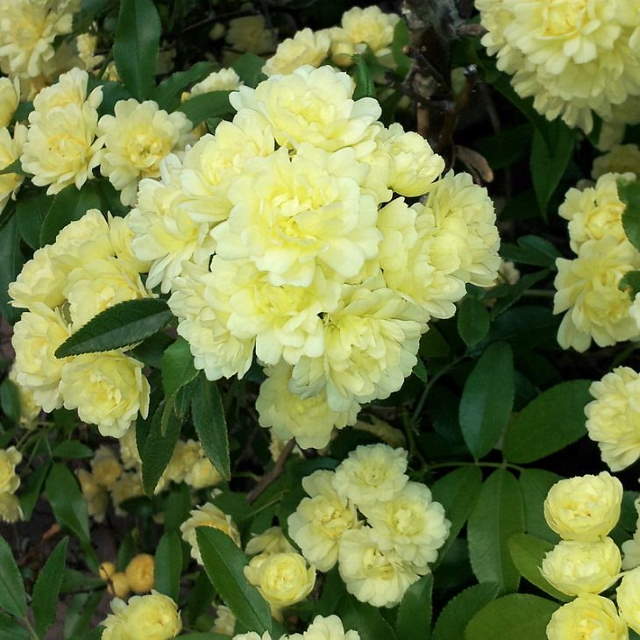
pixel 87 269
pixel 359 30
pixel 10 510
pixel 153 617
pixel 587 286
pixel 138 576
pixel 317 267
pixel 322 627
pixel 380 557
pixel 122 479
pixel 573 58
pixel 582 511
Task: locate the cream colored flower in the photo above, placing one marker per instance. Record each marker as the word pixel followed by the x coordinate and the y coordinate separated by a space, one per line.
pixel 222 80
pixel 587 289
pixel 309 420
pixel 631 548
pixel 282 579
pixel 371 473
pixel 628 597
pixel 410 523
pixel 382 430
pixel 153 617
pixel 320 520
pixel 326 628
pixel 622 158
pixel 129 449
pixel 140 573
pixel 128 485
pixel 36 336
pixel 613 417
pixel 29 408
pixel 137 137
pixel 95 495
pixel 584 508
pixel 272 540
pixel 10 509
pixel 225 622
pixel 118 585
pixel 311 105
pixel 202 474
pixel 10 151
pixel 595 212
pixel 107 389
pixel 9 98
pixel 61 146
pixel 86 45
pixel 576 568
pixel 208 515
pixel 28 29
pixel 588 616
pixel 307 47
pixel 105 467
pixel 40 282
pixel 249 34
pixel 9 480
pixel 373 575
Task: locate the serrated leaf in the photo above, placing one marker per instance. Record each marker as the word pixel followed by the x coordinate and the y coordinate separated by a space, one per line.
pixel 119 326
pixel 497 515
pixel 457 492
pixel 47 588
pixel 12 596
pixel 527 553
pixel 487 399
pixel 214 104
pixel 168 565
pixel 473 321
pixel 68 205
pixel 136 45
pixel 629 193
pixel 456 614
pixel 517 615
pixel 415 611
pixel 68 505
pixel 365 619
pixel 208 419
pixel 534 486
pixel 224 564
pixel 177 366
pixel 549 423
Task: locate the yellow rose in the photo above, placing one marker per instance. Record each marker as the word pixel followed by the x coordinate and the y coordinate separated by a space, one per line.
pixel 326 628
pixel 107 389
pixel 140 573
pixel 129 449
pixel 306 47
pixel 628 597
pixel 221 80
pixel 118 585
pixel 208 515
pixel 10 150
pixel 225 622
pixel 105 467
pixel 10 509
pixel 152 617
pixel 128 485
pixel 9 97
pixel 272 540
pixel 369 27
pixel 584 508
pixel 249 34
pixel 95 495
pixel 106 570
pixel 282 579
pixel 588 616
pixel 577 568
pixel 9 459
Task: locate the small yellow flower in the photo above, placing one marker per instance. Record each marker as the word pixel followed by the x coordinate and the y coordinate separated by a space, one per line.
pixel 140 573
pixel 589 616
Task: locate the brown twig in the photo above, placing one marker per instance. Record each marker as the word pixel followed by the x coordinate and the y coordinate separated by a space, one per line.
pixel 275 473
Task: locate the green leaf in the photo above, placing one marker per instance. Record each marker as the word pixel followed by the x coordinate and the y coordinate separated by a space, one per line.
pixel 458 611
pixel 31 489
pixel 517 615
pixel 224 564
pixel 177 366
pixel 47 588
pixel 497 515
pixel 67 206
pixel 420 371
pixel 249 69
pixel 400 41
pixel 168 565
pixel 10 265
pixel 510 294
pixel 31 209
pixel 14 167
pixel 68 504
pixel 415 611
pixel 630 282
pixel 72 449
pixel 136 45
pixel 10 629
pixel 10 400
pixel 176 507
pixel 534 485
pixel 79 613
pixel 365 619
pixel 629 193
pixel 214 104
pixel 365 86
pixel 457 492
pixel 12 595
pixel 159 444
pixel 487 399
pixel 527 553
pixel 549 160
pixel 473 321
pixel 549 423
pixel 210 425
pixel 119 326
pixel 168 93
pixel 203 636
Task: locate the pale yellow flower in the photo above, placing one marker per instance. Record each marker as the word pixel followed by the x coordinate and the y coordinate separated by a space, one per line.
pixel 86 45
pixel 128 485
pixel 105 467
pixel 628 597
pixel 383 430
pixel 249 34
pixel 10 509
pixel 95 495
pixel 588 616
pixel 622 158
pixel 9 98
pixel 9 480
pixel 129 449
pixel 207 515
pixel 222 80
pixel 225 622
pixel 271 540
pixel 140 573
pixel 631 548
pixel 29 408
pixel 307 47
pixel 326 628
pixel 10 150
